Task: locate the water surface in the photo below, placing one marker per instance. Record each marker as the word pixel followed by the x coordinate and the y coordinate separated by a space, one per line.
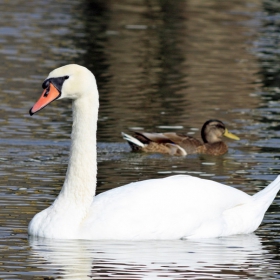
pixel 160 66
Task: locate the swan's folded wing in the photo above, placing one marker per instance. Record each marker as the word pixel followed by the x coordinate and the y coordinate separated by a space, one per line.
pixel 169 208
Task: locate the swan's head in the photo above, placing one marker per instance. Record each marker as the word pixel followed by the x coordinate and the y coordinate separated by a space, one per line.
pixel 70 81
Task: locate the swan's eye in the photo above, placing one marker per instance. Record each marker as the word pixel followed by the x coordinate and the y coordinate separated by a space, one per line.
pixel 66 77
pixel 47 92
pixel 45 84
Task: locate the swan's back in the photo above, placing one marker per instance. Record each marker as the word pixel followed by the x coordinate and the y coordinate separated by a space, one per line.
pixel 167 208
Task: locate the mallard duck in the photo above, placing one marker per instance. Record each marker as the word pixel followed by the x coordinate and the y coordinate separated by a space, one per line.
pixel 181 144
pixel 170 208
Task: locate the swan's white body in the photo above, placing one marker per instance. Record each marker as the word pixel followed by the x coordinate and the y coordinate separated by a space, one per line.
pixel 170 208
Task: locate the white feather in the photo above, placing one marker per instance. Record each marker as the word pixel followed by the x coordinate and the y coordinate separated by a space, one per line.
pixel 133 140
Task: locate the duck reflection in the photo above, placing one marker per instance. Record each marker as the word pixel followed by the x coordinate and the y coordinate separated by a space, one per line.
pixel 240 256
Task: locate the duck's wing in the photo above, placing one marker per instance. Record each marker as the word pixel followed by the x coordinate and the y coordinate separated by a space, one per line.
pixel 146 137
pixel 188 143
pixel 153 143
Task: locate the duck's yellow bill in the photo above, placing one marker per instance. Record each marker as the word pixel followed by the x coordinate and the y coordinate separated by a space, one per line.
pixel 231 135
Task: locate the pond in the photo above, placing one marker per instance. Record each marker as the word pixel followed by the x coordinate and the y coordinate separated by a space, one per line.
pixel 160 66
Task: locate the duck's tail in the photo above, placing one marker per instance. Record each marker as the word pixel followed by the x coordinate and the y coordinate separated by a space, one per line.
pixel 133 142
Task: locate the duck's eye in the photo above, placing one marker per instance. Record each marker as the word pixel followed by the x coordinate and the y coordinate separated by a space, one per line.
pixel 220 126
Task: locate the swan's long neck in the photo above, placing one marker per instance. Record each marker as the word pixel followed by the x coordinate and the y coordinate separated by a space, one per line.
pixel 80 182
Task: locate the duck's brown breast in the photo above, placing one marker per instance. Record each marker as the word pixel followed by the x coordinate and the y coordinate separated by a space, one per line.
pixel 214 149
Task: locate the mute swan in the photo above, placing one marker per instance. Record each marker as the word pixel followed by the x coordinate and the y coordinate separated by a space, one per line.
pixel 170 208
pixel 181 144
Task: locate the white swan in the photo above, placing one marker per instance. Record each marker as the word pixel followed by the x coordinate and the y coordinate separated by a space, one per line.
pixel 170 208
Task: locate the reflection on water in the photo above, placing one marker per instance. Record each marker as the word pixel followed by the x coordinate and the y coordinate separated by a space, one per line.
pixel 160 65
pixel 223 258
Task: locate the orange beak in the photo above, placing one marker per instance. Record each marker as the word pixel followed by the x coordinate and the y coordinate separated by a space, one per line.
pixel 49 94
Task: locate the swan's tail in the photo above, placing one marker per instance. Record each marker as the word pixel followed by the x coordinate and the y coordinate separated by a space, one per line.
pixel 247 217
pixel 267 195
pixel 260 203
pixel 133 142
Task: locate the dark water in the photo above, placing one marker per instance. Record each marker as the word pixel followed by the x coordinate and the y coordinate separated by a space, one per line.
pixel 161 66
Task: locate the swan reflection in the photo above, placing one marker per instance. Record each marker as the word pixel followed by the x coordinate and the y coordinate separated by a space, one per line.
pixel 241 256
